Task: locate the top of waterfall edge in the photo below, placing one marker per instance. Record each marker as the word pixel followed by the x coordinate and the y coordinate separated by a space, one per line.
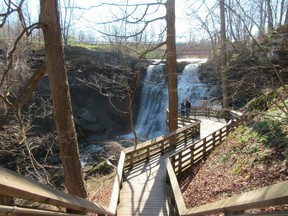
pixel 188 60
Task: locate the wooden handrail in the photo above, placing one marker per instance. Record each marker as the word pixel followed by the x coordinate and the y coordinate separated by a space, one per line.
pixel 16 185
pixel 208 112
pixel 144 151
pixel 194 153
pixel 276 194
pixel 16 210
pixel 177 198
pixel 117 184
pixel 190 156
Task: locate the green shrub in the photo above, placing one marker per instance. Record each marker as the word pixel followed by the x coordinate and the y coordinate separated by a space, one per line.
pixel 250 149
pixel 223 158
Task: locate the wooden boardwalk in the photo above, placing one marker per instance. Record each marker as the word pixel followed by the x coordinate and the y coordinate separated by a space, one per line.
pixel 144 191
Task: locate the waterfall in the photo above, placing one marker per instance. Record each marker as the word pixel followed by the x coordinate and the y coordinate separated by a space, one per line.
pixel 154 100
pixel 151 121
pixel 191 88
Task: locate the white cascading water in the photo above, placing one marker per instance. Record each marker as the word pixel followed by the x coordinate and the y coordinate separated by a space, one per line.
pixel 154 100
pixel 151 120
pixel 191 88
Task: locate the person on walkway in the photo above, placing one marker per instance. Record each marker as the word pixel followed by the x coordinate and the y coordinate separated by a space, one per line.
pixel 182 109
pixel 188 108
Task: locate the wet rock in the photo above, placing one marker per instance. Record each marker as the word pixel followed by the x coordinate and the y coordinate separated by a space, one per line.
pixel 102 168
pixel 87 115
pixel 97 128
pixel 57 179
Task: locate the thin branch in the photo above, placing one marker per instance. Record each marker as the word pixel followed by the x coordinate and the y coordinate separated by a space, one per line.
pixel 13 49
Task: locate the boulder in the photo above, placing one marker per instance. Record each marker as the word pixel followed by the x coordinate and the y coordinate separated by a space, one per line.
pixel 87 115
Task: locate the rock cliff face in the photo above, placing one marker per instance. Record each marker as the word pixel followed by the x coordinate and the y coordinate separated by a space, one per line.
pixel 93 113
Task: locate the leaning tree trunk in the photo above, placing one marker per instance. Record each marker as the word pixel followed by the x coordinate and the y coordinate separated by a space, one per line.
pixel 171 65
pixel 62 109
pixel 225 102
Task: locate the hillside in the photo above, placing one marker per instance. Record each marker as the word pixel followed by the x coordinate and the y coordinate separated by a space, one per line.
pixel 253 156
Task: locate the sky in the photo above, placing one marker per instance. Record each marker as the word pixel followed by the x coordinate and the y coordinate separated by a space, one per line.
pixel 91 19
pixel 100 15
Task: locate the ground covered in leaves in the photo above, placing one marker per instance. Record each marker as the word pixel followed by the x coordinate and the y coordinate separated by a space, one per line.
pixel 254 156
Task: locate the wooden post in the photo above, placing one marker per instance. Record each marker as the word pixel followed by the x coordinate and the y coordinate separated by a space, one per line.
pixel 131 159
pixel 214 142
pixel 185 137
pixel 204 148
pixel 5 200
pixel 240 212
pixel 180 163
pixel 220 135
pixel 148 153
pixel 162 146
pixel 192 154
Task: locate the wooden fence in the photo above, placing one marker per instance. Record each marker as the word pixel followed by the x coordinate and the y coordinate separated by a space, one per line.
pixel 189 157
pixel 144 151
pixel 14 185
pixel 193 154
pixel 208 112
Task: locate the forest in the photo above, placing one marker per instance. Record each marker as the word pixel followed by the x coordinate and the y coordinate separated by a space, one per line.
pixel 54 54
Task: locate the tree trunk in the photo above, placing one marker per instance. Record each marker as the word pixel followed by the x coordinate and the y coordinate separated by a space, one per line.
pixel 286 17
pixel 62 109
pixel 270 17
pixel 171 65
pixel 225 102
pixel 282 10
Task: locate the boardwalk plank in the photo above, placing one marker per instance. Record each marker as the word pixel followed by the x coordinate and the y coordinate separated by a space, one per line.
pixel 144 191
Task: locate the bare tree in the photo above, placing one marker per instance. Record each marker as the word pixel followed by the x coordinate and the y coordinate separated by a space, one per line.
pixel 135 39
pixel 225 102
pixel 68 18
pixel 15 95
pixel 286 16
pixel 171 49
pixel 62 109
pixel 172 65
pixel 270 25
pixel 18 83
pixel 207 23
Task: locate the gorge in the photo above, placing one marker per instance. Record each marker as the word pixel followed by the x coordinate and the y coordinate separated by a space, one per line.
pixel 100 128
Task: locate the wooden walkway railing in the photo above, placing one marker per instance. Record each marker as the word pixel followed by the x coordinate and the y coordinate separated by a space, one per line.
pixel 14 185
pixel 193 154
pixel 144 191
pixel 144 151
pixel 189 157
